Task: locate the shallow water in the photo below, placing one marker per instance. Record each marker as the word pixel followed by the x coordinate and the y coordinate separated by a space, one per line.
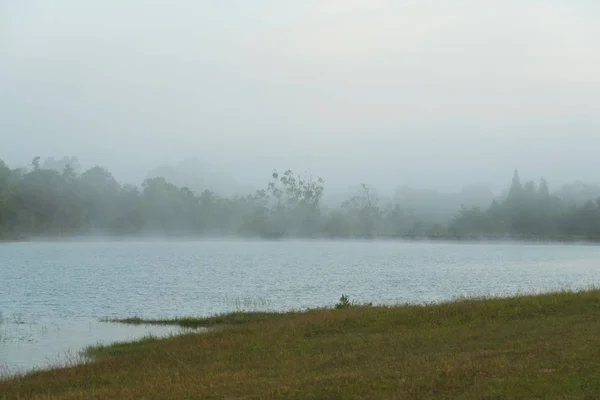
pixel 51 342
pixel 54 292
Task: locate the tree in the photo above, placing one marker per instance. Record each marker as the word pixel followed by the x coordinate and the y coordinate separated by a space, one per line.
pixel 100 193
pixel 7 201
pixel 516 189
pixel 35 163
pixel 364 210
pixel 295 203
pixel 543 189
pixel 60 165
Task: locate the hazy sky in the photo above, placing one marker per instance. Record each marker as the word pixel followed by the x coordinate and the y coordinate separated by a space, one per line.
pixel 388 92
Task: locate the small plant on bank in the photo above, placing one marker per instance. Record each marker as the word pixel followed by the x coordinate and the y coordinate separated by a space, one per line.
pixel 344 302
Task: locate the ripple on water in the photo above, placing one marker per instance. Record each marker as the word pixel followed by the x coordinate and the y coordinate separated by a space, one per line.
pixel 64 287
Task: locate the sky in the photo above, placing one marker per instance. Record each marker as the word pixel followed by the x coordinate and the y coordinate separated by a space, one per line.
pixel 425 93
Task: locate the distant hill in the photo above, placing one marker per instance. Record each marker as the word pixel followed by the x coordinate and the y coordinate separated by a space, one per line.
pixel 199 176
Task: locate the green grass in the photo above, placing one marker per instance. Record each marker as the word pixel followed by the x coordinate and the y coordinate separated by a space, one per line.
pixel 233 318
pixel 527 347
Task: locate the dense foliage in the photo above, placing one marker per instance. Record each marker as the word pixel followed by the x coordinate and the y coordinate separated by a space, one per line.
pixel 530 212
pixel 53 199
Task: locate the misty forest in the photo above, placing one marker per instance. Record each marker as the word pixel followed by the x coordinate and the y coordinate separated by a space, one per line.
pixel 54 199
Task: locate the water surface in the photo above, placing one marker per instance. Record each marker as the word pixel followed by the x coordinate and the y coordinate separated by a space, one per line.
pixel 54 292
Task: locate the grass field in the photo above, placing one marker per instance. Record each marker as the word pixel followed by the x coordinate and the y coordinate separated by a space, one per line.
pixel 528 347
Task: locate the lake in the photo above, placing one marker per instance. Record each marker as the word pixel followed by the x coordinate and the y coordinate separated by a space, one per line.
pixel 53 293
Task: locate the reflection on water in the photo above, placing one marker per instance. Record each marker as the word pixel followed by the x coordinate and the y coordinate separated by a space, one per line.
pixel 27 344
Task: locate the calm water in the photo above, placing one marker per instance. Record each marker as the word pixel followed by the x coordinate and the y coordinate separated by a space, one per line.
pixel 52 294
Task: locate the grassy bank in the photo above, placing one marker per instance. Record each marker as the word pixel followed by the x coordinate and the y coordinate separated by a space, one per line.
pixel 543 346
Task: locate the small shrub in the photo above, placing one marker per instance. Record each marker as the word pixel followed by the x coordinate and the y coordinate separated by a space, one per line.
pixel 344 302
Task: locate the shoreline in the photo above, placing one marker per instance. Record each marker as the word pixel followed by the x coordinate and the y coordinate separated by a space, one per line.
pixel 404 238
pixel 467 347
pixel 40 344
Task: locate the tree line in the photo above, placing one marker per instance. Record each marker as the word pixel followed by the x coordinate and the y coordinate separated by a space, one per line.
pixel 54 199
pixel 530 211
